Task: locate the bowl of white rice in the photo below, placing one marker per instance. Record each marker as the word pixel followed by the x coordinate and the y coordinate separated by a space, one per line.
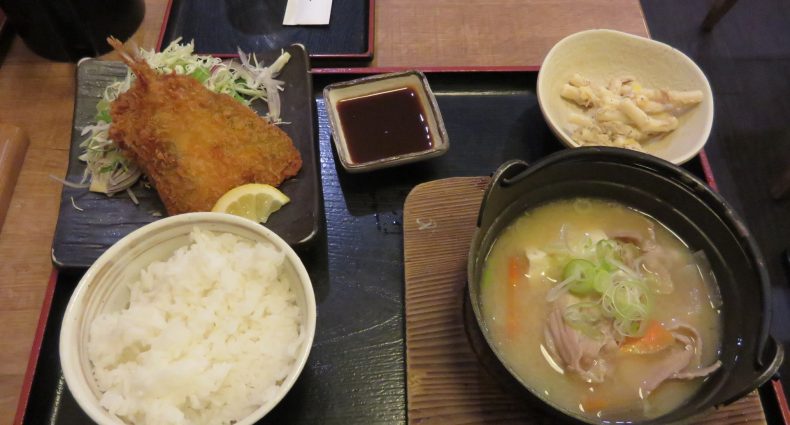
pixel 200 318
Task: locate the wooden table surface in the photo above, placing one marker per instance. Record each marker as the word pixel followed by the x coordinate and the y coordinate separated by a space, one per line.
pixel 38 95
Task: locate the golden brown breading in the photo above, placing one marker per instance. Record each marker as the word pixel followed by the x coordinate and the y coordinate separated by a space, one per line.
pixel 194 144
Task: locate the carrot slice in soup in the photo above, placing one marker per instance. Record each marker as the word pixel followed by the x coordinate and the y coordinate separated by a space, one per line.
pixel 593 403
pixel 655 339
pixel 518 266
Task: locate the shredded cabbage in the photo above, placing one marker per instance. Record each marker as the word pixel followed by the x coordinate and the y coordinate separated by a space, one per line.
pixel 108 171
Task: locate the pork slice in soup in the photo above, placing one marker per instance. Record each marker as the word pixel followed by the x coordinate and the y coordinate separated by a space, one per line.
pixel 601 310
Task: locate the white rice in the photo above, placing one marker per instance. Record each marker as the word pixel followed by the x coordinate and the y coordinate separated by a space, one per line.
pixel 207 338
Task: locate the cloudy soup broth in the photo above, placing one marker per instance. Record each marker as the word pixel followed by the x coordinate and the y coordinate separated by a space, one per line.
pixel 601 310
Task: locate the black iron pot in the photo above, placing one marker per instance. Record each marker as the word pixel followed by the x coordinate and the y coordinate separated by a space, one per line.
pixel 679 200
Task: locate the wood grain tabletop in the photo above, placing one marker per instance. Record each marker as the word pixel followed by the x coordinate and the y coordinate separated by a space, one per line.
pixel 37 95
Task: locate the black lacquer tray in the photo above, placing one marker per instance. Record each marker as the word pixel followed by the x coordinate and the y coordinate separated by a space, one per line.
pixel 356 370
pixel 220 27
pixel 88 223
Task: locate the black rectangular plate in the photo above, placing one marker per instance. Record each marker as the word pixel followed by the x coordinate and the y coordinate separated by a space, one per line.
pixel 81 236
pixel 220 27
pixel 356 370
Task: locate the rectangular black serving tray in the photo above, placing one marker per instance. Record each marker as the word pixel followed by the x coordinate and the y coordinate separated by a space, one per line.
pixel 89 223
pixel 220 28
pixel 356 370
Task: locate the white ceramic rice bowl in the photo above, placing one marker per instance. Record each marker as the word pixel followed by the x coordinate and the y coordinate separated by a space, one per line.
pixel 601 55
pixel 103 288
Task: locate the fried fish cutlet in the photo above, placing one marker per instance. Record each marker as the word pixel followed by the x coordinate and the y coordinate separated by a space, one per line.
pixel 193 144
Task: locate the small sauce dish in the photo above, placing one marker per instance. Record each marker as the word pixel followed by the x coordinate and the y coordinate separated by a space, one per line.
pixel 385 120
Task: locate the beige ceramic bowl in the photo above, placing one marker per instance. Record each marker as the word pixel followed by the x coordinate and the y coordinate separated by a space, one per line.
pixel 104 288
pixel 604 54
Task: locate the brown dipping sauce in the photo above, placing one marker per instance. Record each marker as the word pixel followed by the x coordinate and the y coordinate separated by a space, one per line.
pixel 384 124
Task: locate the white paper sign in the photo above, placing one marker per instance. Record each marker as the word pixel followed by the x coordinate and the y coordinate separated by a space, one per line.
pixel 307 12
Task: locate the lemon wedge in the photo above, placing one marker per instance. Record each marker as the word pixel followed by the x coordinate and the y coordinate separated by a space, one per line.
pixel 253 201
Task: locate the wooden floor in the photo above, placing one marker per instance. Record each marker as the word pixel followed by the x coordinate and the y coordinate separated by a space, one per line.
pixel 747 60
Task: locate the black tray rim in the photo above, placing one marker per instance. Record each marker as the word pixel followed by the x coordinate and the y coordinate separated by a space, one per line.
pixel 362 56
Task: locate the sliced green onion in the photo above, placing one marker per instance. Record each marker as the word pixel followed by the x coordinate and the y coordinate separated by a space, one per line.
pixel 602 280
pixel 606 251
pixel 630 328
pixel 585 272
pixel 629 303
pixel 557 290
pixel 615 287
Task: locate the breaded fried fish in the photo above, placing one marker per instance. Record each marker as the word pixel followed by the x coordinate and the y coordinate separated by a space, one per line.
pixel 194 144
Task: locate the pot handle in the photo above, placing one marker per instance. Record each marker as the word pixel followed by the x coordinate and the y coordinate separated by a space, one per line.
pixel 499 193
pixel 771 365
pixel 767 368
